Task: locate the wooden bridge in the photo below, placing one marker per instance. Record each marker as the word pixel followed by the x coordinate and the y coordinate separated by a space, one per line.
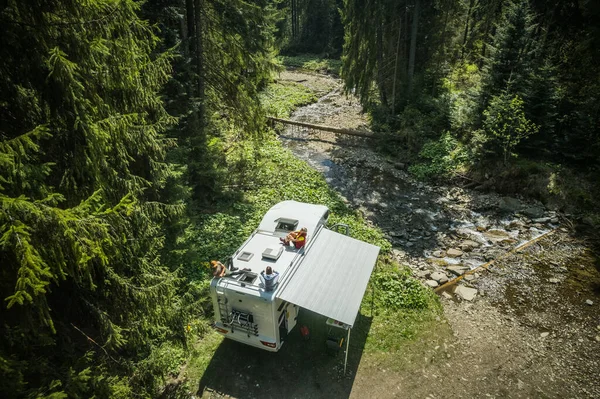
pixel 325 128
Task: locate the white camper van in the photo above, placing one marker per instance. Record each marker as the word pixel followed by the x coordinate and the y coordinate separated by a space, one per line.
pixel 246 312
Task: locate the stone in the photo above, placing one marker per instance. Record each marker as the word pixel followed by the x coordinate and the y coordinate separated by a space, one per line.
pixel 589 302
pixel 458 270
pixel 399 254
pixel 554 220
pixel 454 253
pixel 423 274
pixel 554 280
pixel 469 277
pixel 466 293
pixel 439 277
pixel 439 254
pixel 509 204
pixel 432 283
pixel 534 212
pixel 446 295
pixel 468 245
pixel 597 338
pixel 544 334
pixel 541 220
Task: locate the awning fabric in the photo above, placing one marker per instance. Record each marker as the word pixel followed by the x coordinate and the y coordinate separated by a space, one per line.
pixel 333 277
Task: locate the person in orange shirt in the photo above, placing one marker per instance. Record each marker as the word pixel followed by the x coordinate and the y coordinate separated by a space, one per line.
pixel 297 237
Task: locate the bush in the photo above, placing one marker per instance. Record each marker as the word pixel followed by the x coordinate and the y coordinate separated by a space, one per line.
pixel 442 156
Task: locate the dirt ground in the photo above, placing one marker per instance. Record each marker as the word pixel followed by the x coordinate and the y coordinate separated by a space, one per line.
pixel 532 330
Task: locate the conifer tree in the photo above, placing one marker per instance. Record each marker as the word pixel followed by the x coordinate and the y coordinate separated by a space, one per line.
pixel 82 159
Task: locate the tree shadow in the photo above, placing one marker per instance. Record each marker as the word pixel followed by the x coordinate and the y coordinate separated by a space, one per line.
pixel 301 368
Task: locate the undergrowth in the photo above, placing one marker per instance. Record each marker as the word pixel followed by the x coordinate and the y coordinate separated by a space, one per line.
pixel 279 100
pixel 311 62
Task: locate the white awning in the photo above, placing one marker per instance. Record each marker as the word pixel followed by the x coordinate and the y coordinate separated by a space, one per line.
pixel 333 277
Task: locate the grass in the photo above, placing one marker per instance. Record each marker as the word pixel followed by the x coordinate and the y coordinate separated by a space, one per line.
pixel 281 99
pixel 313 63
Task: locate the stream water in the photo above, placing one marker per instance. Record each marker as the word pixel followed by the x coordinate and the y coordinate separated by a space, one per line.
pixel 432 228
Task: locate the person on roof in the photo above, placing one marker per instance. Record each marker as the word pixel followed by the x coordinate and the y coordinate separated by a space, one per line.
pixel 269 278
pixel 219 269
pixel 298 238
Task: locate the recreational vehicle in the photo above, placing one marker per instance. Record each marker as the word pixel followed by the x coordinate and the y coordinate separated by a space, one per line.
pixel 328 275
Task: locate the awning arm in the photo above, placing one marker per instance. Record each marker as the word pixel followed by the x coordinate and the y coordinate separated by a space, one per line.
pixel 347 346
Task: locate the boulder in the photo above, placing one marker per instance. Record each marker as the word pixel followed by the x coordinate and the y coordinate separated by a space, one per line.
pixel 454 253
pixel 439 254
pixel 439 277
pixel 466 293
pixel 432 283
pixel 534 212
pixel 509 204
pixel 469 245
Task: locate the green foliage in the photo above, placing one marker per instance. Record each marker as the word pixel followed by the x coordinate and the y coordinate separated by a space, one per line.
pixel 310 62
pixel 281 99
pixel 442 156
pixel 505 122
pixel 398 290
pixel 83 160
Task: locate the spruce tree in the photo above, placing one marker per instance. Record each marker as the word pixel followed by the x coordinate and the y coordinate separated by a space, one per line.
pixel 83 165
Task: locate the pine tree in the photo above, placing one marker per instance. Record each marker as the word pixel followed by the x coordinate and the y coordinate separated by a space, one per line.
pixel 511 53
pixel 83 164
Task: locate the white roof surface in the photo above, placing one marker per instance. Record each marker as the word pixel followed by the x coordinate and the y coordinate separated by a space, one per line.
pixel 332 278
pixel 307 215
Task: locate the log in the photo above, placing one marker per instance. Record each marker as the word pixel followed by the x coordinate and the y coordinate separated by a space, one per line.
pixel 332 129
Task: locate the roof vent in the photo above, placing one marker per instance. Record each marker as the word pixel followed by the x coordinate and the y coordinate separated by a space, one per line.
pixel 272 252
pixel 245 256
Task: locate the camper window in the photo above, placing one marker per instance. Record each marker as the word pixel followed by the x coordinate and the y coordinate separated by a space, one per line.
pixel 286 225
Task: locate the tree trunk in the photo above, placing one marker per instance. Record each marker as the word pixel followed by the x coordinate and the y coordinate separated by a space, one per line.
pixel 191 32
pixel 393 109
pixel 413 45
pixel 466 33
pixel 199 53
pixel 443 55
pixel 380 77
pixel 293 3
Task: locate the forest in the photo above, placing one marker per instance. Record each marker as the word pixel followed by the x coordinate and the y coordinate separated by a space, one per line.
pixel 135 148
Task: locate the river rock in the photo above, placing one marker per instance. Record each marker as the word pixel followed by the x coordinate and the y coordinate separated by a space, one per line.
pixel 454 253
pixel 466 293
pixel 544 334
pixel 423 273
pixel 439 254
pixel 399 254
pixel 458 270
pixel 589 302
pixel 534 212
pixel 554 280
pixel 469 245
pixel 432 283
pixel 541 220
pixel 439 277
pixel 509 204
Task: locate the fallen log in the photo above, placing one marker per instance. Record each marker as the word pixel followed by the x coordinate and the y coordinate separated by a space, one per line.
pixel 325 128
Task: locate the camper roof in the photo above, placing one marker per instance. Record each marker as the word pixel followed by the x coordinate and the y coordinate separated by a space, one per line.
pixel 264 248
pixel 305 215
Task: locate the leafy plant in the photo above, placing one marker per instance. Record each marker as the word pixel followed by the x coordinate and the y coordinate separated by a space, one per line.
pixel 505 121
pixel 442 157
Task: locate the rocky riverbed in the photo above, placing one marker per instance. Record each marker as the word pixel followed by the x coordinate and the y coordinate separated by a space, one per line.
pixel 526 326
